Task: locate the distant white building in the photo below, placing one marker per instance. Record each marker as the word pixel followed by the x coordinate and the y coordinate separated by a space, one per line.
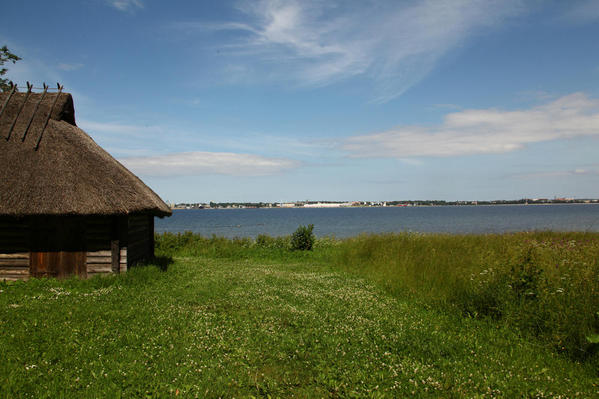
pixel 329 205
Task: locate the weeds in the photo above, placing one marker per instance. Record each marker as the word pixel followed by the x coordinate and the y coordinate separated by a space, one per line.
pixel 543 284
pixel 251 318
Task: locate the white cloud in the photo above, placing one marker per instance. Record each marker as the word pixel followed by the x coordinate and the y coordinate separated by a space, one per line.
pixel 395 43
pixel 126 5
pixel 123 140
pixel 484 131
pixel 202 163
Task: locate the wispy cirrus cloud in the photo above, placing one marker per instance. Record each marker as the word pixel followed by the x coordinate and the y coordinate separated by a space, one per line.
pixel 483 131
pixel 394 44
pixel 126 5
pixel 203 163
pixel 160 157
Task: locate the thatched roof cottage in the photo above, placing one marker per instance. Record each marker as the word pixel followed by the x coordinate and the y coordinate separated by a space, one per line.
pixel 66 206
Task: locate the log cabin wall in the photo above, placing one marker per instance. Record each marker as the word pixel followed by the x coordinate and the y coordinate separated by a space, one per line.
pixel 140 238
pixel 14 251
pixel 106 238
pixel 97 236
pixel 111 244
pixel 57 246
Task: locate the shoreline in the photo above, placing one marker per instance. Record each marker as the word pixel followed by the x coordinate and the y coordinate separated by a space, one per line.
pixel 390 206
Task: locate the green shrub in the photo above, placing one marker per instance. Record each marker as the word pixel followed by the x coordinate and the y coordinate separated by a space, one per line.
pixel 303 238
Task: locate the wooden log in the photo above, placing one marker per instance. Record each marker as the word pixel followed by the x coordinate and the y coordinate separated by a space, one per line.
pixel 15 272
pixel 99 268
pixel 15 267
pixel 114 258
pixel 102 252
pixel 14 262
pixel 16 255
pixel 98 259
pixel 137 232
pixel 14 278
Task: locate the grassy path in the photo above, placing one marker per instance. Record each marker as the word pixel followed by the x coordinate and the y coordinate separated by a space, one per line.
pixel 220 328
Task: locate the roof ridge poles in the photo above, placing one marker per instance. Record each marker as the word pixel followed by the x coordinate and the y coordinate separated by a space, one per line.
pixel 12 126
pixel 34 112
pixel 13 88
pixel 39 139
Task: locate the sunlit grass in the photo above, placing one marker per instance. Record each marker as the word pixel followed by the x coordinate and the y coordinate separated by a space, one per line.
pixel 236 319
pixel 544 284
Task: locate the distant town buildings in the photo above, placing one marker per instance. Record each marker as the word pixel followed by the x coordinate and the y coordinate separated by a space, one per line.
pixel 348 204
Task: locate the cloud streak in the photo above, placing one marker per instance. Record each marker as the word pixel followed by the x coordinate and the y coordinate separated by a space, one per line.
pixel 208 163
pixel 394 44
pixel 126 5
pixel 487 131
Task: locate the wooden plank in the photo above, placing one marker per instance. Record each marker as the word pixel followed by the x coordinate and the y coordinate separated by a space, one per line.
pixel 137 229
pixel 14 262
pixel 11 246
pixel 98 259
pixel 93 246
pixel 138 239
pixel 14 267
pixel 58 264
pixel 151 236
pixel 102 252
pixel 99 268
pixel 16 255
pixel 115 255
pixel 98 236
pixel 14 278
pixel 91 222
pixel 15 272
pixel 136 225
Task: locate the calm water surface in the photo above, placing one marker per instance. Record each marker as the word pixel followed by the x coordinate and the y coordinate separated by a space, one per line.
pixel 345 222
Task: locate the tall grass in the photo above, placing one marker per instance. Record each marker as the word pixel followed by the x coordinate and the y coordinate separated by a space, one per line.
pixel 545 284
pixel 263 247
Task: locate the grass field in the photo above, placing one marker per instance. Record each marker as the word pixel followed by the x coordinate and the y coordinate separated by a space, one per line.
pixel 237 318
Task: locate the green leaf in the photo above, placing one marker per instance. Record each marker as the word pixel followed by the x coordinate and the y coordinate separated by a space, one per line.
pixel 593 339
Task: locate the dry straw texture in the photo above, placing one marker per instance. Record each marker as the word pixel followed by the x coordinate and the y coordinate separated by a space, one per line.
pixel 68 174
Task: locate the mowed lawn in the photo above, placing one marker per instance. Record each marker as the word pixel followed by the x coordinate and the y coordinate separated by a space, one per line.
pixel 211 327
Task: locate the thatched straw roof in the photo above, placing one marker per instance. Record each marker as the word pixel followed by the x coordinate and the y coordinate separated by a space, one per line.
pixel 68 174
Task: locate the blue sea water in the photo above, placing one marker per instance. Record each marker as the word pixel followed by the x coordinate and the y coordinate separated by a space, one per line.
pixel 345 222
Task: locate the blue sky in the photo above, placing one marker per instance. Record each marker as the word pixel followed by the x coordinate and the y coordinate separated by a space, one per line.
pixel 326 100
